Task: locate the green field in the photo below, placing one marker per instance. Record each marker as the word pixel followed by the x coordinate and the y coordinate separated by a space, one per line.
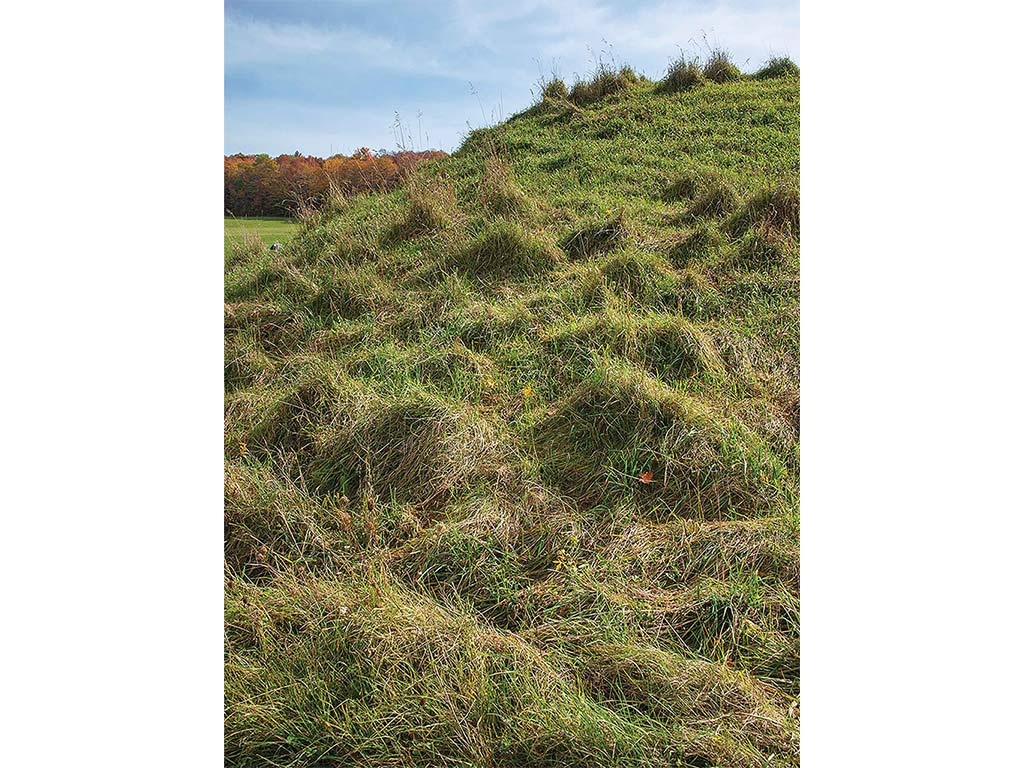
pixel 513 451
pixel 270 229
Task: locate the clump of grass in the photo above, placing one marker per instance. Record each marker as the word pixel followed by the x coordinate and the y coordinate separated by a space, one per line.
pixel 642 276
pixel 675 348
pixel 683 74
pixel 418 448
pixel 473 566
pixel 506 248
pixel 245 359
pixel 432 207
pixel 670 346
pixel 664 685
pixel 703 243
pixel 717 198
pixel 775 207
pixel 555 91
pixel 483 325
pixel 272 524
pixel 499 193
pixel 620 423
pixel 249 247
pixel 778 66
pixel 719 67
pixel 349 292
pixel 687 184
pixel 446 689
pixel 763 247
pixel 606 81
pixel 598 237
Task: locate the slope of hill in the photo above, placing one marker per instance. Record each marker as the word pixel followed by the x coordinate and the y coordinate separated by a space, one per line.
pixel 512 451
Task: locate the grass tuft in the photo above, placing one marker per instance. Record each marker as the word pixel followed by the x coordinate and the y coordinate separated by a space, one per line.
pixel 598 237
pixel 703 243
pixel 555 91
pixel 720 69
pixel 763 247
pixel 499 192
pixel 432 207
pixel 717 198
pixel 606 81
pixel 506 248
pixel 776 207
pixel 683 74
pixel 778 66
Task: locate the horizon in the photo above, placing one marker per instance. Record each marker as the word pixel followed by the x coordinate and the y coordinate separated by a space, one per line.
pixel 326 77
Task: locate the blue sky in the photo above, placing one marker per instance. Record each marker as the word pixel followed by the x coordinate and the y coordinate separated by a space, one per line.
pixel 327 76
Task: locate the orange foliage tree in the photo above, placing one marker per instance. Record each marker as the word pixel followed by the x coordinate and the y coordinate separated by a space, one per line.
pixel 259 185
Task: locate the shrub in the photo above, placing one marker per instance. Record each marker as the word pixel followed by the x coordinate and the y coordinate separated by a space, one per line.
pixel 720 69
pixel 778 66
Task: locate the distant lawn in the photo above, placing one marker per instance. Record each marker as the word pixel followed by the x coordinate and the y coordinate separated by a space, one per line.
pixel 272 230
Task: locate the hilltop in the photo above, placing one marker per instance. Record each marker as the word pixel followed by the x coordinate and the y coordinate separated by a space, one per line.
pixel 512 450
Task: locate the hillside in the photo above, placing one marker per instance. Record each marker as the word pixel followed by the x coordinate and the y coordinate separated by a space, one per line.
pixel 512 450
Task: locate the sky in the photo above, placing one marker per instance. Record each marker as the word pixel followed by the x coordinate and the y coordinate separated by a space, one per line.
pixel 329 76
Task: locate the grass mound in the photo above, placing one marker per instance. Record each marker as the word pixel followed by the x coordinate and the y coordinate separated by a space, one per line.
pixel 641 277
pixel 499 192
pixel 432 207
pixel 606 81
pixel 716 198
pixel 554 91
pixel 778 66
pixel 670 346
pixel 704 242
pixel 720 69
pixel 622 424
pixel 764 247
pixel 417 450
pixel 506 248
pixel 683 74
pixel 688 184
pixel 512 451
pixel 597 237
pixel 776 208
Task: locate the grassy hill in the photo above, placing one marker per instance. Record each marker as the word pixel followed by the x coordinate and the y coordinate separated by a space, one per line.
pixel 512 451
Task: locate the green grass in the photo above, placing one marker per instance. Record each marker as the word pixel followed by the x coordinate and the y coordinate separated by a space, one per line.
pixel 271 230
pixel 512 452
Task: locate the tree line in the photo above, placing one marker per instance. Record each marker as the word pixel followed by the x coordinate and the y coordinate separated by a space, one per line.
pixel 260 185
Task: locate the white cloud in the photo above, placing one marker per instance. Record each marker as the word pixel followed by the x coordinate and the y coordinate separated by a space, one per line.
pixel 293 68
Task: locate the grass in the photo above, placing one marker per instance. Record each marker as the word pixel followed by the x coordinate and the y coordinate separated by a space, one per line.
pixel 512 451
pixel 269 230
